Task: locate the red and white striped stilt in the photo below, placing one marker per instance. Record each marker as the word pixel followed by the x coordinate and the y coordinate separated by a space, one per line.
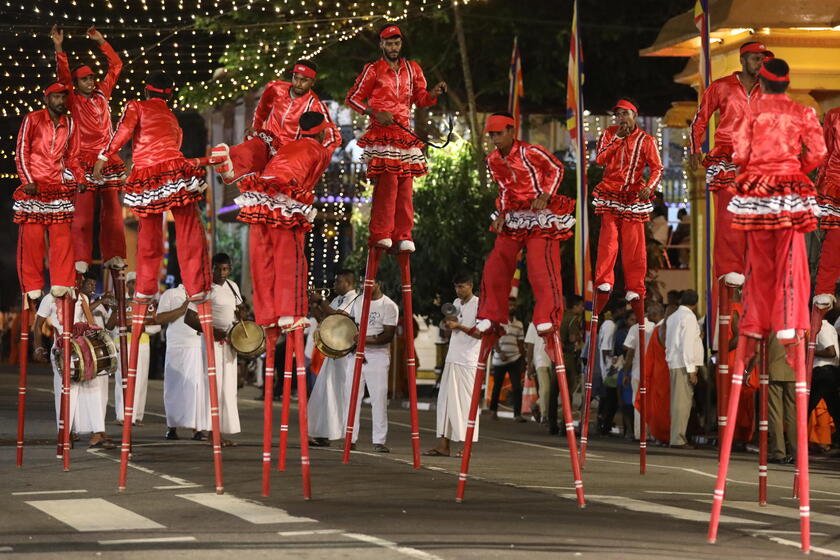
pixel 817 315
pixel 303 421
pixel 138 320
pixel 601 299
pixel 268 393
pixel 723 380
pixel 118 277
pixel 802 446
pixel 639 311
pixel 205 317
pixel 67 304
pixel 24 359
pixel 404 259
pixel 488 341
pixel 287 401
pixel 374 255
pixel 763 425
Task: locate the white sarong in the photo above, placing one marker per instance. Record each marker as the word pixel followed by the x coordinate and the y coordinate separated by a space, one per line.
pixel 327 409
pixel 186 397
pixel 453 404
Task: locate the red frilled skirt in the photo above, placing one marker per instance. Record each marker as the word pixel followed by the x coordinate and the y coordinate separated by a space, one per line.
pixel 625 204
pixel 720 171
pixel 276 204
pixel 157 188
pixel 390 149
pixel 113 173
pixel 828 199
pixel 556 221
pixel 52 204
pixel 769 202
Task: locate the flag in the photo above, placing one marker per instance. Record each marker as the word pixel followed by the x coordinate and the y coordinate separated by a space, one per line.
pixel 574 124
pixel 701 20
pixel 517 90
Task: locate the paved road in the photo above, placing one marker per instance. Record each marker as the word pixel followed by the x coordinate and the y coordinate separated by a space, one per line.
pixel 519 505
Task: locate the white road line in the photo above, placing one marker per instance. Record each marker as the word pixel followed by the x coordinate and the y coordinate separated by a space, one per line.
pixel 408 551
pixel 676 493
pixel 308 533
pixel 49 492
pixel 780 511
pixel 762 532
pixel 251 512
pixel 94 514
pixel 177 486
pixel 181 481
pixel 796 544
pixel 6 549
pixel 145 541
pixel 670 511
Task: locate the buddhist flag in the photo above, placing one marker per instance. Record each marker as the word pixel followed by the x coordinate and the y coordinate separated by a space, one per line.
pixel 517 90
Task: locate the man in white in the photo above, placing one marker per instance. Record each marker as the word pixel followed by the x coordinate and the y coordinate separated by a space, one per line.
pixel 654 313
pixel 382 324
pixel 507 359
pixel 458 378
pixel 683 352
pixel 539 365
pixel 141 382
pixel 186 397
pixel 226 299
pixel 326 409
pixel 824 382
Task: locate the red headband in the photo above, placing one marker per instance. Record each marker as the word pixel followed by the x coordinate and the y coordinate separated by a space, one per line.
pixel 624 104
pixel 318 128
pixel 166 91
pixel 55 88
pixel 82 72
pixel 768 75
pixel 390 31
pixel 304 70
pixel 756 48
pixel 498 123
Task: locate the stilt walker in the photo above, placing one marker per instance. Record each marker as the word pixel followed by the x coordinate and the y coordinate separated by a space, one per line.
pixel 775 204
pixel 162 179
pixel 623 199
pixel 46 155
pixel 385 91
pixel 530 215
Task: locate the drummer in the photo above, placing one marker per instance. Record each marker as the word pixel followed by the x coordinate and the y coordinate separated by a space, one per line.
pixel 226 299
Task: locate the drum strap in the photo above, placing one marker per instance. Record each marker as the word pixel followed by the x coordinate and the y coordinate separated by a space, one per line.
pixel 236 294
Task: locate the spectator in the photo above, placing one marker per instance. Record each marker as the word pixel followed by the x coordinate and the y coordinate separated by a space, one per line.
pixel 539 365
pixel 659 228
pixel 681 237
pixel 684 353
pixel 571 336
pixel 781 400
pixel 507 359
pixel 608 403
pixel 824 382
pixel 655 313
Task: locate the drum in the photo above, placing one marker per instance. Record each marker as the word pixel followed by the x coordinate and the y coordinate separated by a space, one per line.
pixel 91 354
pixel 336 335
pixel 247 338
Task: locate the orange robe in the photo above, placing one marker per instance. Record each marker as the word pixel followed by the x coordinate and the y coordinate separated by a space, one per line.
pixel 658 382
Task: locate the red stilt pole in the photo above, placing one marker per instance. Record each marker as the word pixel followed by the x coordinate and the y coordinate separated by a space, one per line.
pixel 598 306
pixel 404 258
pixel 205 316
pixel 24 358
pixel 560 371
pixel 268 386
pixel 287 400
pixel 763 425
pixel 817 315
pixel 119 294
pixel 746 348
pixel 138 320
pixel 374 254
pixel 724 319
pixel 802 446
pixel 639 311
pixel 67 303
pixel 488 340
pixel 300 363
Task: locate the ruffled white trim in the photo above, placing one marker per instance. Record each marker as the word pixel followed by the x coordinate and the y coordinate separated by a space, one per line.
pixel 719 168
pixel 410 155
pixel 33 206
pixel 829 210
pixel 107 178
pixel 539 219
pixel 287 205
pixel 191 184
pixel 768 205
pixel 635 208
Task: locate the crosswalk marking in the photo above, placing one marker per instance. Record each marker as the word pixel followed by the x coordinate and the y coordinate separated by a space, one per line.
pixel 94 514
pixel 308 533
pixel 43 492
pixel 147 541
pixel 781 511
pixel 249 511
pixel 670 511
pixel 408 551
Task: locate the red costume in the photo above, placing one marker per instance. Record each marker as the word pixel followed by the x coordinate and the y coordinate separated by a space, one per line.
pixel 46 156
pixel 278 205
pixel 393 156
pixel 93 118
pixel 616 200
pixel 279 113
pixel 162 180
pixel 828 197
pixel 526 172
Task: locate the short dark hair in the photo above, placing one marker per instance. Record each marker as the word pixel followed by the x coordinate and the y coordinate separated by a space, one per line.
pixel 309 120
pixel 573 300
pixel 308 63
pixel 89 275
pixel 689 297
pixel 221 258
pixel 462 277
pixel 780 68
pixel 503 114
pixel 346 272
pixel 159 80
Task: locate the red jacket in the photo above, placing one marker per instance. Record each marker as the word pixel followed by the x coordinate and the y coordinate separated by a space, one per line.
pixel 770 139
pixel 525 173
pixel 92 114
pixel 624 160
pixel 728 96
pixel 297 167
pixel 830 170
pixel 279 113
pixel 387 90
pixel 153 130
pixel 46 154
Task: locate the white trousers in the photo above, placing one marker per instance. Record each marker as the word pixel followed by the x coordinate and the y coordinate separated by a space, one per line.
pixel 327 407
pixel 453 404
pixel 375 378
pixel 186 397
pixel 226 385
pixel 74 399
pixel 141 384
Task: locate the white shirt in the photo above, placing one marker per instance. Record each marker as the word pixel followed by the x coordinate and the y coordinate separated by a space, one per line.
pixel 49 310
pixel 178 333
pixel 509 343
pixel 463 349
pixel 683 345
pixel 541 359
pixel 632 341
pixel 606 342
pixel 383 312
pixel 826 338
pixel 225 298
pixel 309 333
pixel 343 303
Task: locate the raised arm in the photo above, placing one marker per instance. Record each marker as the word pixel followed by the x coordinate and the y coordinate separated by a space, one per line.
pixel 608 144
pixel 62 64
pixel 115 65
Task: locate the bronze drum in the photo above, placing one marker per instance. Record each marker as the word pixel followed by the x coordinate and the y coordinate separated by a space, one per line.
pixel 247 338
pixel 91 355
pixel 336 336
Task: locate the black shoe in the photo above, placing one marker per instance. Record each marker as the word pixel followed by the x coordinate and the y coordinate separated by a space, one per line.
pixel 171 434
pixel 776 460
pixel 380 448
pixel 554 430
pixel 319 442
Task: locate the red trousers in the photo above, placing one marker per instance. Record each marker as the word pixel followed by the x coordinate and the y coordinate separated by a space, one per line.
pixel 279 273
pixel 631 236
pixel 730 244
pixel 111 229
pixel 190 246
pixel 829 271
pixel 778 283
pixel 543 274
pixel 32 248
pixel 392 215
